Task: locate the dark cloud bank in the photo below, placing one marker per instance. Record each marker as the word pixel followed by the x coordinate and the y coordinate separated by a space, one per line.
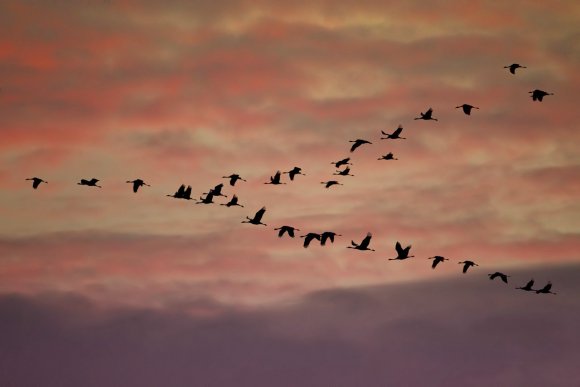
pixel 465 331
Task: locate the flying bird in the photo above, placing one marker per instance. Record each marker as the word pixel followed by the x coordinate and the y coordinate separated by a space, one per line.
pixel 546 289
pixel 538 95
pixel 182 193
pixel 327 235
pixel 309 237
pixel 36 181
pixel 275 179
pixel 342 162
pixel 217 190
pixel 91 183
pixel 364 245
pixel 402 253
pixel 257 219
pixel 286 229
pixel 467 265
pixel 466 108
pixel 436 259
pixel 344 172
pixel 233 202
pixel 528 286
pixel 503 277
pixel 294 171
pixel 137 183
pixel 233 178
pixel 357 143
pixel 428 115
pixel 513 67
pixel 330 183
pixel 388 156
pixel 208 198
pixel 395 135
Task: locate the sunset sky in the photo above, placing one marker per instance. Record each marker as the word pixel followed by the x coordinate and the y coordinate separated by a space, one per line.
pixel 185 92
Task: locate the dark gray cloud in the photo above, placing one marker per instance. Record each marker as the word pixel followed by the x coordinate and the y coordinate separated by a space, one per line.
pixel 467 331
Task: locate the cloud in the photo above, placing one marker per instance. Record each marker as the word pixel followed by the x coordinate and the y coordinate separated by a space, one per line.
pixel 465 331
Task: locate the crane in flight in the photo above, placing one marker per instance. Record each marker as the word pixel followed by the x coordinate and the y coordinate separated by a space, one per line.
pixel 538 95
pixel 294 171
pixel 466 108
pixel 436 259
pixel 286 229
pixel 275 179
pixel 502 276
pixel 528 287
pixel 233 178
pixel 358 142
pixel 364 245
pixel 208 198
pixel 330 183
pixel 428 115
pixel 233 202
pixel 467 264
pixel 36 181
pixel 344 172
pixel 257 219
pixel 513 67
pixel 137 183
pixel 327 235
pixel 182 193
pixel 388 156
pixel 395 135
pixel 546 289
pixel 402 253
pixel 90 183
pixel 342 162
pixel 309 238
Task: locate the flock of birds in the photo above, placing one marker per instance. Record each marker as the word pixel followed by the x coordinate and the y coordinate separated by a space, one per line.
pixel 184 192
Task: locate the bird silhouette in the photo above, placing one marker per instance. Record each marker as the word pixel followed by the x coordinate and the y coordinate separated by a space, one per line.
pixel 275 179
pixel 91 183
pixel 364 245
pixel 436 259
pixel 546 289
pixel 233 178
pixel 395 135
pixel 467 265
pixel 538 95
pixel 528 286
pixel 293 172
pixel 327 235
pixel 388 156
pixel 217 191
pixel 402 253
pixel 286 229
pixel 466 108
pixel 357 143
pixel 309 238
pixel 503 277
pixel 233 202
pixel 137 183
pixel 428 115
pixel 36 181
pixel 182 193
pixel 344 172
pixel 330 183
pixel 257 219
pixel 208 198
pixel 513 67
pixel 342 162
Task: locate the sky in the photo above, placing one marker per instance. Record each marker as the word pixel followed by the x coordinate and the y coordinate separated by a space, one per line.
pixel 185 92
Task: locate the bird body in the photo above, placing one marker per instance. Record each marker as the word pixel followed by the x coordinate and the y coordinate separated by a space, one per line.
pixel 513 67
pixel 257 219
pixel 91 183
pixel 327 235
pixel 233 178
pixel 402 253
pixel 467 265
pixel 436 259
pixel 293 172
pixel 364 245
pixel 36 181
pixel 137 183
pixel 503 276
pixel 466 108
pixel 233 202
pixel 309 238
pixel 395 135
pixel 428 115
pixel 538 95
pixel 286 229
pixel 358 142
pixel 330 183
